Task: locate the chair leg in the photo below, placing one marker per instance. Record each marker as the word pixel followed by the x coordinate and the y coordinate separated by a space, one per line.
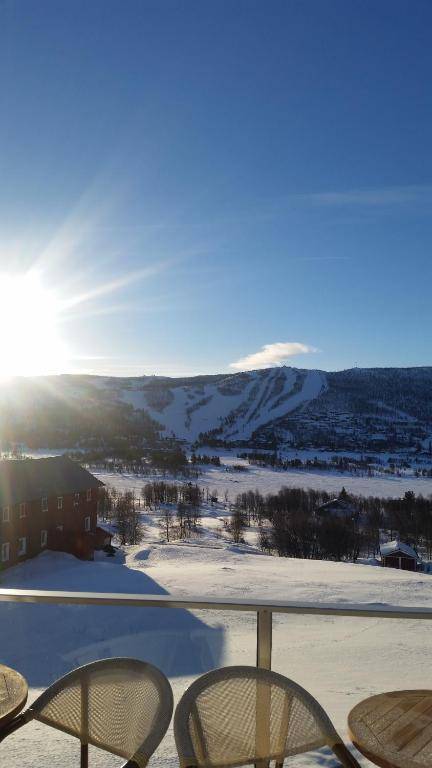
pixel 344 755
pixel 84 755
pixel 13 725
pixel 84 720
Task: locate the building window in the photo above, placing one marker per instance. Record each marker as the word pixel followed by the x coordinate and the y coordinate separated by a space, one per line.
pixel 87 523
pixel 44 538
pixel 22 545
pixel 76 499
pixel 5 549
pixel 89 495
pixel 6 514
pixel 59 502
pixel 44 503
pixel 23 509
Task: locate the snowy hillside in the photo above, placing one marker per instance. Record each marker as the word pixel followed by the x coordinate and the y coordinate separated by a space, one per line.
pixel 235 406
pixel 359 409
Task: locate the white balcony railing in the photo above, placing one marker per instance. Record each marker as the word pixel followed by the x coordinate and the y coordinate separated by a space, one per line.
pixel 264 610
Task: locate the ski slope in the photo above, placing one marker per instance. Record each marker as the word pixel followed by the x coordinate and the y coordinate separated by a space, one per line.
pixel 257 399
pixel 366 410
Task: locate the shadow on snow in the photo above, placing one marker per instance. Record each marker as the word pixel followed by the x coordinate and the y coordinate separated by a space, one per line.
pixel 44 642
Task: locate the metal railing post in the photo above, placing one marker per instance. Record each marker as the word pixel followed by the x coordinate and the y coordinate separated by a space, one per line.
pixel 264 638
pixel 263 704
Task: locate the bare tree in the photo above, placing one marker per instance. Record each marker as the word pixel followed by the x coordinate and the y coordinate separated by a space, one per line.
pixel 264 539
pixel 135 527
pixel 166 523
pixel 130 529
pixel 237 525
pixel 182 518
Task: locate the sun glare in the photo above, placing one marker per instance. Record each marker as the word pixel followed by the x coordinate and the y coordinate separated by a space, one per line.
pixel 30 343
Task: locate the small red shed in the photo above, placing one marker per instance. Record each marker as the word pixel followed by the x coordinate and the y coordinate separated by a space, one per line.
pixel 397 554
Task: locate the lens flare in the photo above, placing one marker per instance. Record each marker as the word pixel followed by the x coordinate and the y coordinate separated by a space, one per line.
pixel 30 343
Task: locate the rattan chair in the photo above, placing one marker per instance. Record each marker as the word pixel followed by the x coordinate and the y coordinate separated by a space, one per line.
pixel 241 715
pixel 121 705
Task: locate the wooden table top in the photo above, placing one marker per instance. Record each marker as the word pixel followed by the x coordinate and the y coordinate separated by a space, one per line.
pixel 13 693
pixel 394 730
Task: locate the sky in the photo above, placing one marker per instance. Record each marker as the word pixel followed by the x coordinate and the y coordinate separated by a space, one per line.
pixel 199 187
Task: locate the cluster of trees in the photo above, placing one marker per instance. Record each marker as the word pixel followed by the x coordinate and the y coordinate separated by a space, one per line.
pixel 156 493
pixel 137 460
pixel 300 535
pixel 292 525
pixel 120 508
pixel 236 525
pixel 252 505
pixel 369 465
pixel 178 505
pixel 424 472
pixel 197 458
pixel 172 461
pixel 180 524
pixel 213 438
pixel 411 518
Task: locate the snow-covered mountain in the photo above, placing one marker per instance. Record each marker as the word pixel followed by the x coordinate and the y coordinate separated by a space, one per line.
pixel 234 406
pixel 365 409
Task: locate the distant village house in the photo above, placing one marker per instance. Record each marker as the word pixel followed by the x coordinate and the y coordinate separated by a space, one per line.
pixel 340 507
pixel 397 554
pixel 47 503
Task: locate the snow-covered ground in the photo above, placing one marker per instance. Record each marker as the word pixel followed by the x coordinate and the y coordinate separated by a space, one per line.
pixel 268 480
pixel 341 661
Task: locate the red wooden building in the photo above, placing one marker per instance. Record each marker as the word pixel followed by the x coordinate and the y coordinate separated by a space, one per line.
pixel 46 504
pixel 397 554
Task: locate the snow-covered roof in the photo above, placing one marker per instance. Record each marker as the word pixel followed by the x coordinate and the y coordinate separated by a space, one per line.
pixel 398 546
pixel 106 528
pixel 337 502
pixel 338 505
pixel 30 479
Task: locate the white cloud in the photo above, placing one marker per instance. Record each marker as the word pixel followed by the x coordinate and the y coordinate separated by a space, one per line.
pixel 271 354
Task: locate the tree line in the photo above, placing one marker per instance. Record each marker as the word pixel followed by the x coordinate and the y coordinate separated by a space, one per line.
pixel 160 492
pixel 291 523
pixel 197 458
pixel 178 507
pixel 365 465
pixel 121 509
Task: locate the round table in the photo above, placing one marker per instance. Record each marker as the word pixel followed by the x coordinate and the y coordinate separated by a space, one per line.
pixel 13 694
pixel 394 730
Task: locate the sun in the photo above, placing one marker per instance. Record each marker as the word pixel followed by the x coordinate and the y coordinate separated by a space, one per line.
pixel 30 343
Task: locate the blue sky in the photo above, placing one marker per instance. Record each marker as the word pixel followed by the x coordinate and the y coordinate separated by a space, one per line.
pixel 196 182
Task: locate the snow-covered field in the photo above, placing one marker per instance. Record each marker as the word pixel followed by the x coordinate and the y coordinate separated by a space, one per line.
pixel 341 661
pixel 268 480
